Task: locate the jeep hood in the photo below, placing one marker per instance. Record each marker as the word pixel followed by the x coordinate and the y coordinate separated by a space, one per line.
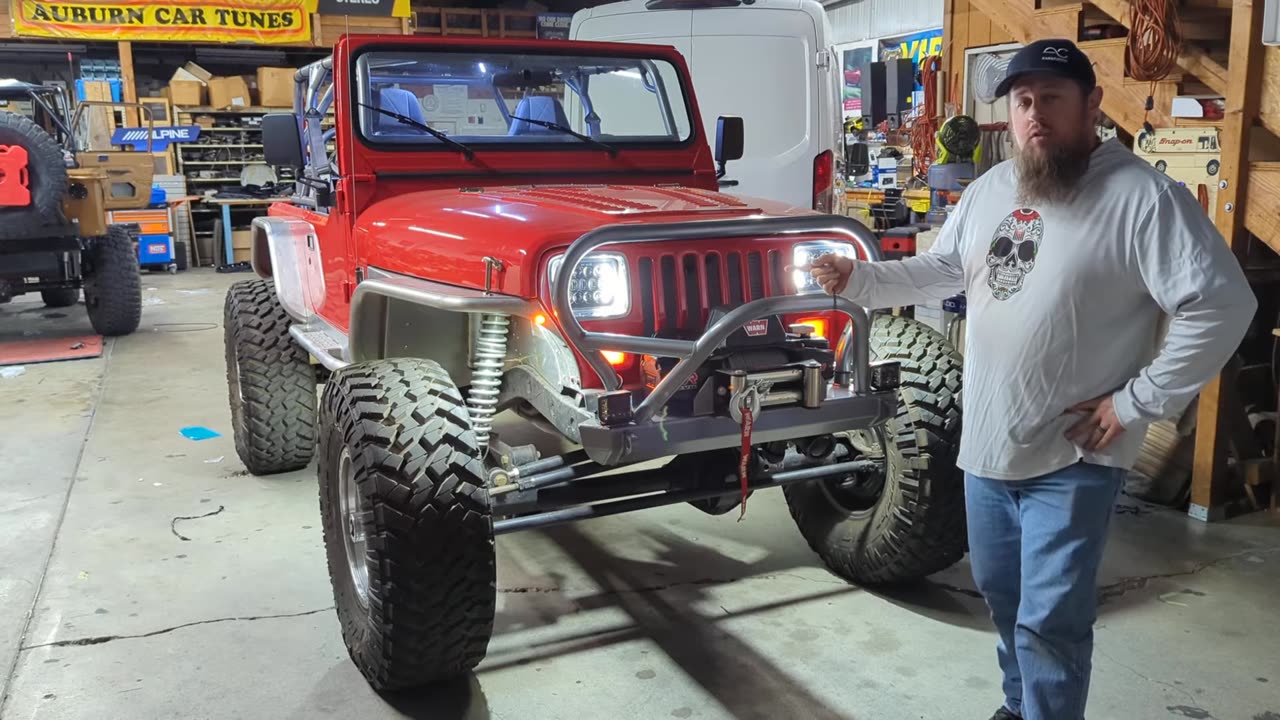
pixel 444 235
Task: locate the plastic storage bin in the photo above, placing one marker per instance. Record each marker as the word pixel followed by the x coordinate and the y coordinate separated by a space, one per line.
pixel 155 250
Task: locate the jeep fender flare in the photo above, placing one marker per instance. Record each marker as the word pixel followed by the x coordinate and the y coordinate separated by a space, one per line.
pixel 396 316
pixel 280 251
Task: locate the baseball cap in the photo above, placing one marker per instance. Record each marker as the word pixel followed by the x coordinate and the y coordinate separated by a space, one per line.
pixel 1049 57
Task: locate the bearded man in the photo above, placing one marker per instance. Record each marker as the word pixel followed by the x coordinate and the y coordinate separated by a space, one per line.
pixel 1071 255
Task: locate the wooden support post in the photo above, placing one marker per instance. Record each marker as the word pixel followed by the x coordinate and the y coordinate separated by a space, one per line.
pixel 1244 90
pixel 129 87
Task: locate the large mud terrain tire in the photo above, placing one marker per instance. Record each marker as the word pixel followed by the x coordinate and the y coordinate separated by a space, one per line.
pixel 915 525
pixel 407 525
pixel 60 297
pixel 112 285
pixel 46 170
pixel 270 380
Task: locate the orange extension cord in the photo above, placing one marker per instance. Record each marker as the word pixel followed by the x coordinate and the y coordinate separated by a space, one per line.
pixel 925 126
pixel 1154 42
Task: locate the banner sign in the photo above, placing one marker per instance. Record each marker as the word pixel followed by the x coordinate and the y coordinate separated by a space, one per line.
pixel 258 21
pixel 364 8
pixel 161 137
pixel 915 47
pixel 554 26
pixel 854 60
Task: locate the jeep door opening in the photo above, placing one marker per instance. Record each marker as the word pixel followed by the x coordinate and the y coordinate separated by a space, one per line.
pixel 535 227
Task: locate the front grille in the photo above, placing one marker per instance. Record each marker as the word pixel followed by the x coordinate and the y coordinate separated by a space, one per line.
pixel 679 297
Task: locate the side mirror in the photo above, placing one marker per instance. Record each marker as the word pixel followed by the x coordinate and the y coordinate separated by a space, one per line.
pixel 729 141
pixel 282 140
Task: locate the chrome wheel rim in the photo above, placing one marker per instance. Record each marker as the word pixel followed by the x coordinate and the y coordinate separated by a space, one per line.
pixel 353 533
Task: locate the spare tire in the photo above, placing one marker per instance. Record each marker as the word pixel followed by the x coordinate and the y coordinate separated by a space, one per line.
pixel 46 170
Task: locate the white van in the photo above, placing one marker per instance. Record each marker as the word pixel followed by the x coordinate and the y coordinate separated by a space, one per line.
pixel 766 61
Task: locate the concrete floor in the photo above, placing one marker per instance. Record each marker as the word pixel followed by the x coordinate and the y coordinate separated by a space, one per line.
pixel 114 605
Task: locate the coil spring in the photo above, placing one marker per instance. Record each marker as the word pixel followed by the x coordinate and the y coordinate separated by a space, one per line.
pixel 486 380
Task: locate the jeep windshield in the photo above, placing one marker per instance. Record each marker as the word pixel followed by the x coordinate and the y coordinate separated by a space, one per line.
pixel 494 98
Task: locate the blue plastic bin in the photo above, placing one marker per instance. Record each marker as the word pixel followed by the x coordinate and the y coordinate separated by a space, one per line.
pixel 155 249
pixel 116 88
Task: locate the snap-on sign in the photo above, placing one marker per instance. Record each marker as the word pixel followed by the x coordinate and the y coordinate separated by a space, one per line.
pixel 161 137
pixel 756 328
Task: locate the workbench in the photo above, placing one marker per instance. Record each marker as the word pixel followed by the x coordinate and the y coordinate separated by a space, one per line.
pixel 227 204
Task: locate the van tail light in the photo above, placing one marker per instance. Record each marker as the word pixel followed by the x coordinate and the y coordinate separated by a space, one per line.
pixel 823 187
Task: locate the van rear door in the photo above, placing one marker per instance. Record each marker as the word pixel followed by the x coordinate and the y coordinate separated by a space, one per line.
pixel 771 51
pixel 772 56
pixel 623 24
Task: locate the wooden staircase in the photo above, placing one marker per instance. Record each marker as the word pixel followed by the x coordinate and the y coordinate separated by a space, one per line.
pixel 1202 69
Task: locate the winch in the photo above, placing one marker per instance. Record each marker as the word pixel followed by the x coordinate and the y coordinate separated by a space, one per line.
pixel 784 365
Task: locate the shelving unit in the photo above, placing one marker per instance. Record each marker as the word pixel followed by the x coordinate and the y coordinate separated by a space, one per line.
pixel 214 163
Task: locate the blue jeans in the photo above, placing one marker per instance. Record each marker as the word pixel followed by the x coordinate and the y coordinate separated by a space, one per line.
pixel 1034 547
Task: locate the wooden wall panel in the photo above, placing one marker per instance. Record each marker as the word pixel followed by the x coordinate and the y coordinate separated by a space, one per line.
pixel 328 28
pixel 1269 103
pixel 964 26
pixel 979 29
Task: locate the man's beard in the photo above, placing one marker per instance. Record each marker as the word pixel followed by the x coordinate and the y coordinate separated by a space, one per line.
pixel 1052 175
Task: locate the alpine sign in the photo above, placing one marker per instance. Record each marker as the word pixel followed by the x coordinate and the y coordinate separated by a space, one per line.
pixel 161 137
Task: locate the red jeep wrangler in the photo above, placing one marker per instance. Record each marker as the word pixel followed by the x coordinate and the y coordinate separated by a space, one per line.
pixel 536 227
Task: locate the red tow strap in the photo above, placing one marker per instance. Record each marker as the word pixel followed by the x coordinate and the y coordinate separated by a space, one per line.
pixel 747 421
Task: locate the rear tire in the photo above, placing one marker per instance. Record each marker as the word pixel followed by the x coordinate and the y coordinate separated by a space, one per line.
pixel 46 170
pixel 270 380
pixel 916 526
pixel 113 286
pixel 60 297
pixel 400 468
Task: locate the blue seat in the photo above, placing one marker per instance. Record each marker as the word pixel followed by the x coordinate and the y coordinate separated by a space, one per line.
pixel 537 107
pixel 399 101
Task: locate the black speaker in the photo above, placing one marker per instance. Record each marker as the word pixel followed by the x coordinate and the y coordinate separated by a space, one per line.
pixel 872 84
pixel 899 84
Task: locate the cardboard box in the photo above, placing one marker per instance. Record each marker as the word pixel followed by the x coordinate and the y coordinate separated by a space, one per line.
pixel 205 121
pixel 242 239
pixel 192 72
pixel 187 84
pixel 185 93
pixel 229 92
pixel 275 86
pixel 1190 156
pixel 240 255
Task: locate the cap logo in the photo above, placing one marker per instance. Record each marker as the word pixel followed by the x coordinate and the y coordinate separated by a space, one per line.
pixel 1054 54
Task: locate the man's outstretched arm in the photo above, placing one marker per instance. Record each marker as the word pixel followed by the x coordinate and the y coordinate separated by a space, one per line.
pixel 935 275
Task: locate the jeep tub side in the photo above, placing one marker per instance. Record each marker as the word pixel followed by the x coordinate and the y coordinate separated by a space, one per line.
pixel 558 249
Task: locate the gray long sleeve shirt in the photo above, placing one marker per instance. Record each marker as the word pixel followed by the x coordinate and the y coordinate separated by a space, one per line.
pixel 1067 302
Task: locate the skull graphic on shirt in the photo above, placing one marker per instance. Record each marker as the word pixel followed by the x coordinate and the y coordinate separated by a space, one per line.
pixel 1012 255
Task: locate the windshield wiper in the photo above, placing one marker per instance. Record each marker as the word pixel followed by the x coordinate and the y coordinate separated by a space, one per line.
pixel 468 152
pixel 613 151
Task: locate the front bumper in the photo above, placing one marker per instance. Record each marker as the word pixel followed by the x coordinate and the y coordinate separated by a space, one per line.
pixel 841 411
pixel 850 403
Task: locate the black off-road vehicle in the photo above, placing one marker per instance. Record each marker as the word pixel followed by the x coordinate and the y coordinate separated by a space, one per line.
pixel 54 234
